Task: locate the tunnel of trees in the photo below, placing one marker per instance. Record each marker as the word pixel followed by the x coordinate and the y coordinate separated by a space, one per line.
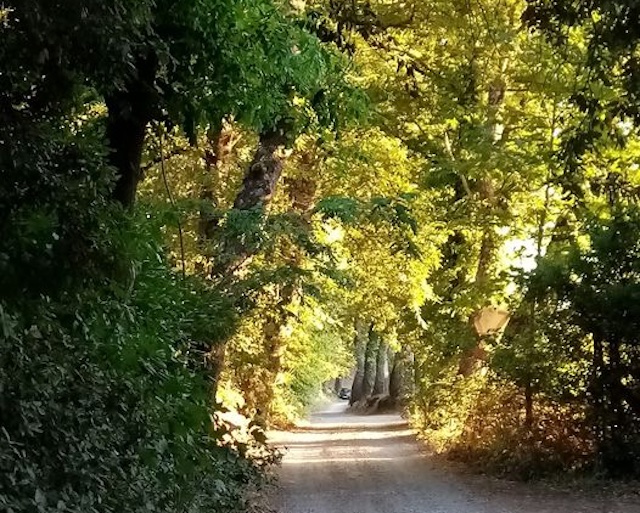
pixel 209 208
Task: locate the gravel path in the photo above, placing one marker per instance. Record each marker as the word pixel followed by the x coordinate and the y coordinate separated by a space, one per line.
pixel 343 463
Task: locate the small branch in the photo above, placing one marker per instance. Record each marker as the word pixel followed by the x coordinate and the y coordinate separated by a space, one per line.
pixel 463 179
pixel 158 160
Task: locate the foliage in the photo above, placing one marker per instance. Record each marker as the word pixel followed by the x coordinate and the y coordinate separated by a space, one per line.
pixel 105 403
pixel 105 350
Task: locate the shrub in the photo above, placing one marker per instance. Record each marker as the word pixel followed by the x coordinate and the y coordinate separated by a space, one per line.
pixel 105 403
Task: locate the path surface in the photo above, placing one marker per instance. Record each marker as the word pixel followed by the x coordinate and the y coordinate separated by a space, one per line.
pixel 343 463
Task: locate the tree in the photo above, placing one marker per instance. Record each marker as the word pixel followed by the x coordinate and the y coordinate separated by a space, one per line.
pixel 381 384
pixel 180 64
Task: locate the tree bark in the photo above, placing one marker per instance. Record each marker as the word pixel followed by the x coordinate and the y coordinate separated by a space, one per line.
pixel 126 130
pixel 528 405
pixel 257 191
pixel 370 363
pixel 129 112
pixel 489 203
pixel 221 141
pixel 596 389
pixel 259 184
pixel 302 195
pixel 216 359
pixel 381 384
pixel 398 379
pixel 360 344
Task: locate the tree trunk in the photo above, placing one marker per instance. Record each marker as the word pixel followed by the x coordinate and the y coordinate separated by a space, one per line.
pixel 360 347
pixel 274 350
pixel 259 184
pixel 129 112
pixel 489 204
pixel 370 363
pixel 221 142
pixel 397 379
pixel 257 191
pixel 216 359
pixel 126 130
pixel 528 405
pixel 485 259
pixel 381 384
pixel 597 393
pixel 302 195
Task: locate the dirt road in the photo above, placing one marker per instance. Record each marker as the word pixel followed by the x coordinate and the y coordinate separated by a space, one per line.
pixel 343 463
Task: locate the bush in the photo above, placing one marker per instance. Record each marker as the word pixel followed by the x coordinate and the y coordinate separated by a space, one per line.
pixel 105 403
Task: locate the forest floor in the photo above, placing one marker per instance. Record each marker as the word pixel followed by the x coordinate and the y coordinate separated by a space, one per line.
pixel 345 463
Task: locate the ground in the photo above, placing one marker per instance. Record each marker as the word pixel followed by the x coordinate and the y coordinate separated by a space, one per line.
pixel 345 463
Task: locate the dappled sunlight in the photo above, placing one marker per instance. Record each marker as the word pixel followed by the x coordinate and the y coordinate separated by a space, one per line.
pixel 304 459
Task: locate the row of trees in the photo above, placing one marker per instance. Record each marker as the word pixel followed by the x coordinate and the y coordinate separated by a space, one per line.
pixel 522 117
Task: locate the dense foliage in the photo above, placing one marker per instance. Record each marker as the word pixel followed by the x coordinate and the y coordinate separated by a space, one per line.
pixel 107 375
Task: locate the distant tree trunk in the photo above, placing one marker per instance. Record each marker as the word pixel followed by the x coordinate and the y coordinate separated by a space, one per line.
pixel 301 192
pixel 620 460
pixel 485 259
pixel 397 379
pixel 596 390
pixel 221 142
pixel 274 350
pixel 528 405
pixel 360 347
pixel 257 191
pixel 370 363
pixel 216 359
pixel 489 203
pixel 381 384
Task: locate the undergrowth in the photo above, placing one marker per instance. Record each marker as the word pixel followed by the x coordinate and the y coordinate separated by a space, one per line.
pixel 482 423
pixel 105 400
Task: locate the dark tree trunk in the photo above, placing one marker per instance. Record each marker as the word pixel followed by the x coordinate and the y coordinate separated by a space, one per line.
pixel 216 359
pixel 126 130
pixel 360 347
pixel 597 393
pixel 370 364
pixel 258 188
pixel 616 397
pixel 129 112
pixel 381 386
pixel 220 143
pixel 397 379
pixel 528 405
pixel 257 191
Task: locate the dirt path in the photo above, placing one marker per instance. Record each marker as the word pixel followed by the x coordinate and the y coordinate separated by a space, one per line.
pixel 342 463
